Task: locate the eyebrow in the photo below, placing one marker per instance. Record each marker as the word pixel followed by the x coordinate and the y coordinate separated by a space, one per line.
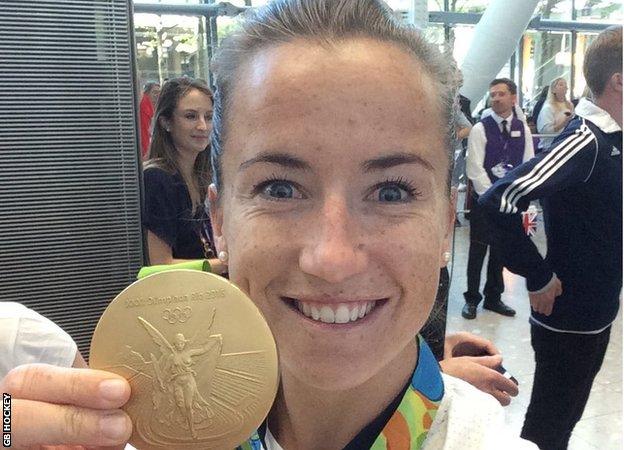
pixel 281 159
pixel 381 163
pixel 395 159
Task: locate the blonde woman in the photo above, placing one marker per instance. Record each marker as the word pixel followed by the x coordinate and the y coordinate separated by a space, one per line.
pixel 556 112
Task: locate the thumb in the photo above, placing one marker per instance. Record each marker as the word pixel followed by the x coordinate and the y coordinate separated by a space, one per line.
pixel 491 361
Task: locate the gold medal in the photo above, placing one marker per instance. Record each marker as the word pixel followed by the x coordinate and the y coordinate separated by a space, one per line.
pixel 199 356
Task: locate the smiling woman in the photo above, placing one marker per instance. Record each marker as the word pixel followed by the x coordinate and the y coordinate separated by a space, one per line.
pixel 177 174
pixel 330 158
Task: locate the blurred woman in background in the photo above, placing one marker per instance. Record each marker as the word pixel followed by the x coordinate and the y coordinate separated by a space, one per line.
pixel 556 112
pixel 177 173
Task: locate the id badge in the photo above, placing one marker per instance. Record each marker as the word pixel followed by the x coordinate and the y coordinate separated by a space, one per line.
pixel 501 169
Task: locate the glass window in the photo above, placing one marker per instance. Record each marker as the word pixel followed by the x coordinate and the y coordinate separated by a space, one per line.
pixel 170 46
pixel 406 5
pixel 170 2
pixel 460 37
pixel 582 42
pixel 555 9
pixel 603 11
pixel 546 56
pixel 468 6
pixel 434 33
pixel 225 25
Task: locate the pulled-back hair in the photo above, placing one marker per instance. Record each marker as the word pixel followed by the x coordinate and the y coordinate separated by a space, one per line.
pixel 552 98
pixel 325 22
pixel 162 152
pixel 603 58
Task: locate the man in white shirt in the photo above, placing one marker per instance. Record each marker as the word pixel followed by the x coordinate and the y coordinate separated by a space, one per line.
pixel 497 144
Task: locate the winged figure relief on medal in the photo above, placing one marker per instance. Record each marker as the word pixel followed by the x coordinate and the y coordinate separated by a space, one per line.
pixel 198 393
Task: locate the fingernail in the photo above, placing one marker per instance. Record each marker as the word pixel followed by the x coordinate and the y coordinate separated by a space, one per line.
pixel 114 426
pixel 113 390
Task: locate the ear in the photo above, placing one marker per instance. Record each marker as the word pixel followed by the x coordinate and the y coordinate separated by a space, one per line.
pixel 450 226
pixel 216 218
pixel 616 82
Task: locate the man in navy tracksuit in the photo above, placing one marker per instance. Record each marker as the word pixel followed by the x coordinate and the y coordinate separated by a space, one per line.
pixel 574 292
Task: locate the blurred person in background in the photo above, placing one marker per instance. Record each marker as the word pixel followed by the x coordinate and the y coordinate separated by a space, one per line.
pixel 151 91
pixel 497 144
pixel 575 290
pixel 556 112
pixel 177 174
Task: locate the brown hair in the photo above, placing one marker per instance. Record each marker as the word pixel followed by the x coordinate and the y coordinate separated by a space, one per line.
pixel 326 22
pixel 603 58
pixel 162 152
pixel 507 82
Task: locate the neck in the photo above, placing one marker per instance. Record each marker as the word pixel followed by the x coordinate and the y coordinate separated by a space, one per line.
pixel 303 413
pixel 611 103
pixel 186 162
pixel 506 115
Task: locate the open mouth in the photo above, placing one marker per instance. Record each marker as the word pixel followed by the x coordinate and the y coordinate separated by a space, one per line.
pixel 340 313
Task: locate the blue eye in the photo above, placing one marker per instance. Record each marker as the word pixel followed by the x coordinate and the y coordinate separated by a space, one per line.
pixel 394 191
pixel 391 194
pixel 279 189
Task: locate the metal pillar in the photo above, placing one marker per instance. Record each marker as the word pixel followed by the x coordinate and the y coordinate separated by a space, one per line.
pixel 494 40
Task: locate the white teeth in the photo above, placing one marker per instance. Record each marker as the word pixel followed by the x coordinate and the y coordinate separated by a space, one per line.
pixel 316 315
pixel 343 313
pixel 327 315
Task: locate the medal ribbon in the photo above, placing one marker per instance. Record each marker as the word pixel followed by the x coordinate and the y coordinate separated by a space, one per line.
pixel 409 425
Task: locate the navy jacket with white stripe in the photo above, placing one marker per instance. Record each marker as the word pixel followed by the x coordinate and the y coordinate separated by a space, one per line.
pixel 579 180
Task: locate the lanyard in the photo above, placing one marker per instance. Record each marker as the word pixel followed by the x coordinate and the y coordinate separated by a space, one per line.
pixel 409 425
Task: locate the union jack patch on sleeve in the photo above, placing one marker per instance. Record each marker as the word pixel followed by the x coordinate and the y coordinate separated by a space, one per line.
pixel 529 220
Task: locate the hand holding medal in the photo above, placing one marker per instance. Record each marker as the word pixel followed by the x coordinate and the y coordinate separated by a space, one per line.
pixel 199 357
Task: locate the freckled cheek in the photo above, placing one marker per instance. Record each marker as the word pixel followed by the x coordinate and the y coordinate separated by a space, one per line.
pixel 258 254
pixel 413 259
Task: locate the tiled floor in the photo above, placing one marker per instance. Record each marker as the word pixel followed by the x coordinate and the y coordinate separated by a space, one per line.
pixel 601 425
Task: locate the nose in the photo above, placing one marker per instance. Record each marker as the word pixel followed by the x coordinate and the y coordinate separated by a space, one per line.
pixel 202 123
pixel 335 251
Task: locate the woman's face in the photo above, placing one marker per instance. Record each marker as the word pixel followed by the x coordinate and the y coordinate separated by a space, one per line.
pixel 333 206
pixel 560 89
pixel 191 123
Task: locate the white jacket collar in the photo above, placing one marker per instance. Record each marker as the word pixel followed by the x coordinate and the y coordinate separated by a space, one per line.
pixel 598 116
